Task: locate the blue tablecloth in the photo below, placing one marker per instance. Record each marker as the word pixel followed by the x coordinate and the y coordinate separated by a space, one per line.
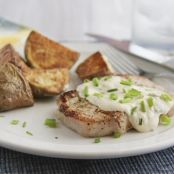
pixel 14 162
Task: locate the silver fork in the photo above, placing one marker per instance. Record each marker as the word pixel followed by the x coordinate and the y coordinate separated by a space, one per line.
pixel 122 64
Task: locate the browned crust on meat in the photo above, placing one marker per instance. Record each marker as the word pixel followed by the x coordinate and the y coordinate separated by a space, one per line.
pixel 42 52
pixel 65 108
pixel 93 124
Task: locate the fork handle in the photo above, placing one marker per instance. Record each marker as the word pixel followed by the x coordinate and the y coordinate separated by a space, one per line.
pixel 163 74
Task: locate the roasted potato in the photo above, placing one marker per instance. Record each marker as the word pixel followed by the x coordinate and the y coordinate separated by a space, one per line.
pixel 43 82
pixel 15 91
pixel 47 82
pixel 94 65
pixel 8 54
pixel 44 53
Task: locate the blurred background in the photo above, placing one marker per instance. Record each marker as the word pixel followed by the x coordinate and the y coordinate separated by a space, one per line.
pixel 70 19
pixel 148 23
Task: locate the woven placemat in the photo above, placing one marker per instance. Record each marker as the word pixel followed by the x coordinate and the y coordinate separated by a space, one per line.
pixel 12 162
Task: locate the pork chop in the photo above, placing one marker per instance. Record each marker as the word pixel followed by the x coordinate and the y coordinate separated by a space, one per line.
pixel 89 120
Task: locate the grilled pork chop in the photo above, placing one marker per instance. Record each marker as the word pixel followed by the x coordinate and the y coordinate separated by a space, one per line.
pixel 87 119
pixel 90 121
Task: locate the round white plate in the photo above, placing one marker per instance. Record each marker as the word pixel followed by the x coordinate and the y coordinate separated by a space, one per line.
pixel 63 142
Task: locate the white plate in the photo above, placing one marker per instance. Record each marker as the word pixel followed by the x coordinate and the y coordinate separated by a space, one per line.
pixel 69 144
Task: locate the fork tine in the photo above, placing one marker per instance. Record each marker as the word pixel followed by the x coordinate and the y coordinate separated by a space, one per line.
pixel 126 59
pixel 119 62
pixel 128 62
pixel 125 62
pixel 128 68
pixel 117 66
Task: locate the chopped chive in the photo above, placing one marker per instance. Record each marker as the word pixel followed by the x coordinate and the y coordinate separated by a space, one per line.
pixel 29 133
pixel 125 100
pixel 133 110
pixel 140 121
pixel 124 90
pixel 126 82
pixel 50 122
pixel 166 97
pixel 165 119
pixel 112 90
pixel 107 78
pixel 117 134
pixel 150 102
pixel 152 95
pixel 113 96
pixel 132 93
pixel 95 81
pixel 99 95
pixel 24 124
pixel 85 91
pixel 14 122
pixel 86 80
pixel 142 106
pixel 97 140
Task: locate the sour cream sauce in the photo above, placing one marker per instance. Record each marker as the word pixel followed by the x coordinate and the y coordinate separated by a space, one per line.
pixel 143 105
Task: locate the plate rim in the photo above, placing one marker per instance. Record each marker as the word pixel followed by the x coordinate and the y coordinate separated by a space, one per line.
pixel 81 151
pixel 11 141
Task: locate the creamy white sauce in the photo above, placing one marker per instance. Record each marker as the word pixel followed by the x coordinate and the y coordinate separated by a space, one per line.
pixel 141 120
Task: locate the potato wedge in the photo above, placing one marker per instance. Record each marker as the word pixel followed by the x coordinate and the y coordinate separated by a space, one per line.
pixel 94 65
pixel 43 82
pixel 8 54
pixel 47 82
pixel 44 53
pixel 15 91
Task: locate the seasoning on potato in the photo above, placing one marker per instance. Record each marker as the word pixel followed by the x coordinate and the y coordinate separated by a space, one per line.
pixel 44 53
pixel 15 91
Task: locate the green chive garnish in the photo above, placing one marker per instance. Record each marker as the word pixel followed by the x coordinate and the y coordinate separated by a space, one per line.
pixel 140 121
pixel 85 91
pixel 133 110
pixel 29 133
pixel 99 95
pixel 166 97
pixel 86 80
pixel 14 122
pixel 124 90
pixel 165 119
pixel 126 82
pixel 113 96
pixel 142 106
pixel 50 123
pixel 107 78
pixel 24 124
pixel 95 81
pixel 117 134
pixel 152 94
pixel 125 100
pixel 150 102
pixel 132 93
pixel 97 140
pixel 112 90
